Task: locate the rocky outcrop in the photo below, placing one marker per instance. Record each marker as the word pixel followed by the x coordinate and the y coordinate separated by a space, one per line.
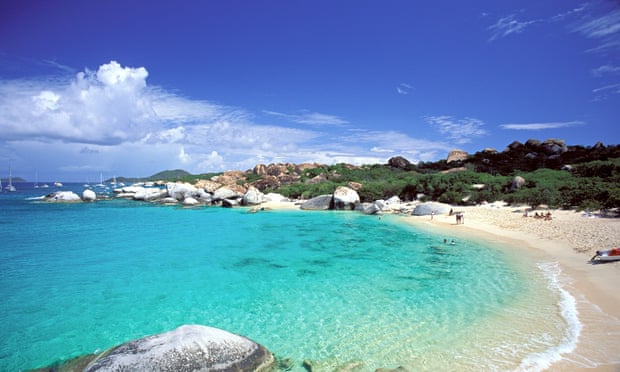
pixel 456 155
pixel 252 197
pixel 426 209
pixel 276 197
pixel 317 179
pixel 398 162
pixel 554 146
pixel 187 348
pixel 355 185
pixel 208 185
pixel 266 182
pixel 321 202
pixel 189 201
pixel 181 191
pixel 517 183
pixel 89 195
pixel 63 196
pixel 345 198
pixel 225 192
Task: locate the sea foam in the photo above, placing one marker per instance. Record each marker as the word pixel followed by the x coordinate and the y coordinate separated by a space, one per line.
pixel 568 310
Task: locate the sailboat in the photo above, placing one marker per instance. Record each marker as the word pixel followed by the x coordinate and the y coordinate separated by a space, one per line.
pixel 36 180
pixel 10 186
pixel 100 184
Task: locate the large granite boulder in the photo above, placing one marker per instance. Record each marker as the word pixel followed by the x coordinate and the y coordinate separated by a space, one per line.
pixel 180 191
pixel 189 201
pixel 517 183
pixel 89 195
pixel 225 192
pixel 554 146
pixel 398 162
pixel 63 196
pixel 345 198
pixel 274 197
pixel 426 209
pixel 321 202
pixel 369 208
pixel 253 196
pixel 187 348
pixel 148 193
pixel 266 182
pixel 260 169
pixel 208 185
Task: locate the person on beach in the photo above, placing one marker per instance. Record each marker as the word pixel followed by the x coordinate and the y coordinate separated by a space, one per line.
pixel 432 214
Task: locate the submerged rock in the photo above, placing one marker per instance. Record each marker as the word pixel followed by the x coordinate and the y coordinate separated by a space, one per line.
pixel 187 348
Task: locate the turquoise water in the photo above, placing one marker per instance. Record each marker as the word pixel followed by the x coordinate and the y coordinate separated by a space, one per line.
pixel 333 287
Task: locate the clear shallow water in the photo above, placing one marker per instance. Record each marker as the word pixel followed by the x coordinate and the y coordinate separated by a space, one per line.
pixel 333 287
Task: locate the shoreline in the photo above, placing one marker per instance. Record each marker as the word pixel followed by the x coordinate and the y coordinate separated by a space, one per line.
pixel 568 239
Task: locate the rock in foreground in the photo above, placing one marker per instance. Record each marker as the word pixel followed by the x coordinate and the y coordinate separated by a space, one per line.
pixel 187 348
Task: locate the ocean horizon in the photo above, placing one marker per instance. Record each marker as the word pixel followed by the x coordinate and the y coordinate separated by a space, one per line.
pixel 334 287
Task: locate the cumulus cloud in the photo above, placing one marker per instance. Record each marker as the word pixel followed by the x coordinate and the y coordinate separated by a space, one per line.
pixel 108 106
pixel 111 121
pixel 459 131
pixel 541 126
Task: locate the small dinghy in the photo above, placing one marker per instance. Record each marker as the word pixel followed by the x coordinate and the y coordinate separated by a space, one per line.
pixel 608 255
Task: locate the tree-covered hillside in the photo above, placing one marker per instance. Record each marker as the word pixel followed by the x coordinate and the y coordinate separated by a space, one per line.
pixel 533 173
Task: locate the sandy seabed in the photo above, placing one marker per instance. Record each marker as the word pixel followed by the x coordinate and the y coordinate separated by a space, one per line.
pixel 569 238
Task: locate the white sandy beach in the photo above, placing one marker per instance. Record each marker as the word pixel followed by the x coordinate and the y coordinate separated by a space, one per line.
pixel 570 239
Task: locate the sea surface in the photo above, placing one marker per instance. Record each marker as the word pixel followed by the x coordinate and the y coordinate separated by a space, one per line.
pixel 336 288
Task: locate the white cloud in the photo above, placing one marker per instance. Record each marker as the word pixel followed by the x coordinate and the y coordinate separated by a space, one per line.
pixel 541 126
pixel 109 106
pixel 311 118
pixel 210 162
pixel 404 89
pixel 184 157
pixel 568 13
pixel 606 47
pixel 508 25
pixel 605 70
pixel 604 92
pixel 459 131
pixel 112 121
pixel 601 26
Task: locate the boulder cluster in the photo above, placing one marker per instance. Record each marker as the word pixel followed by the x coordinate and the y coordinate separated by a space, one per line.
pixel 203 192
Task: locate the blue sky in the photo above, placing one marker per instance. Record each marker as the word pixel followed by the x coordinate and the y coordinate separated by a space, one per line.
pixel 134 87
